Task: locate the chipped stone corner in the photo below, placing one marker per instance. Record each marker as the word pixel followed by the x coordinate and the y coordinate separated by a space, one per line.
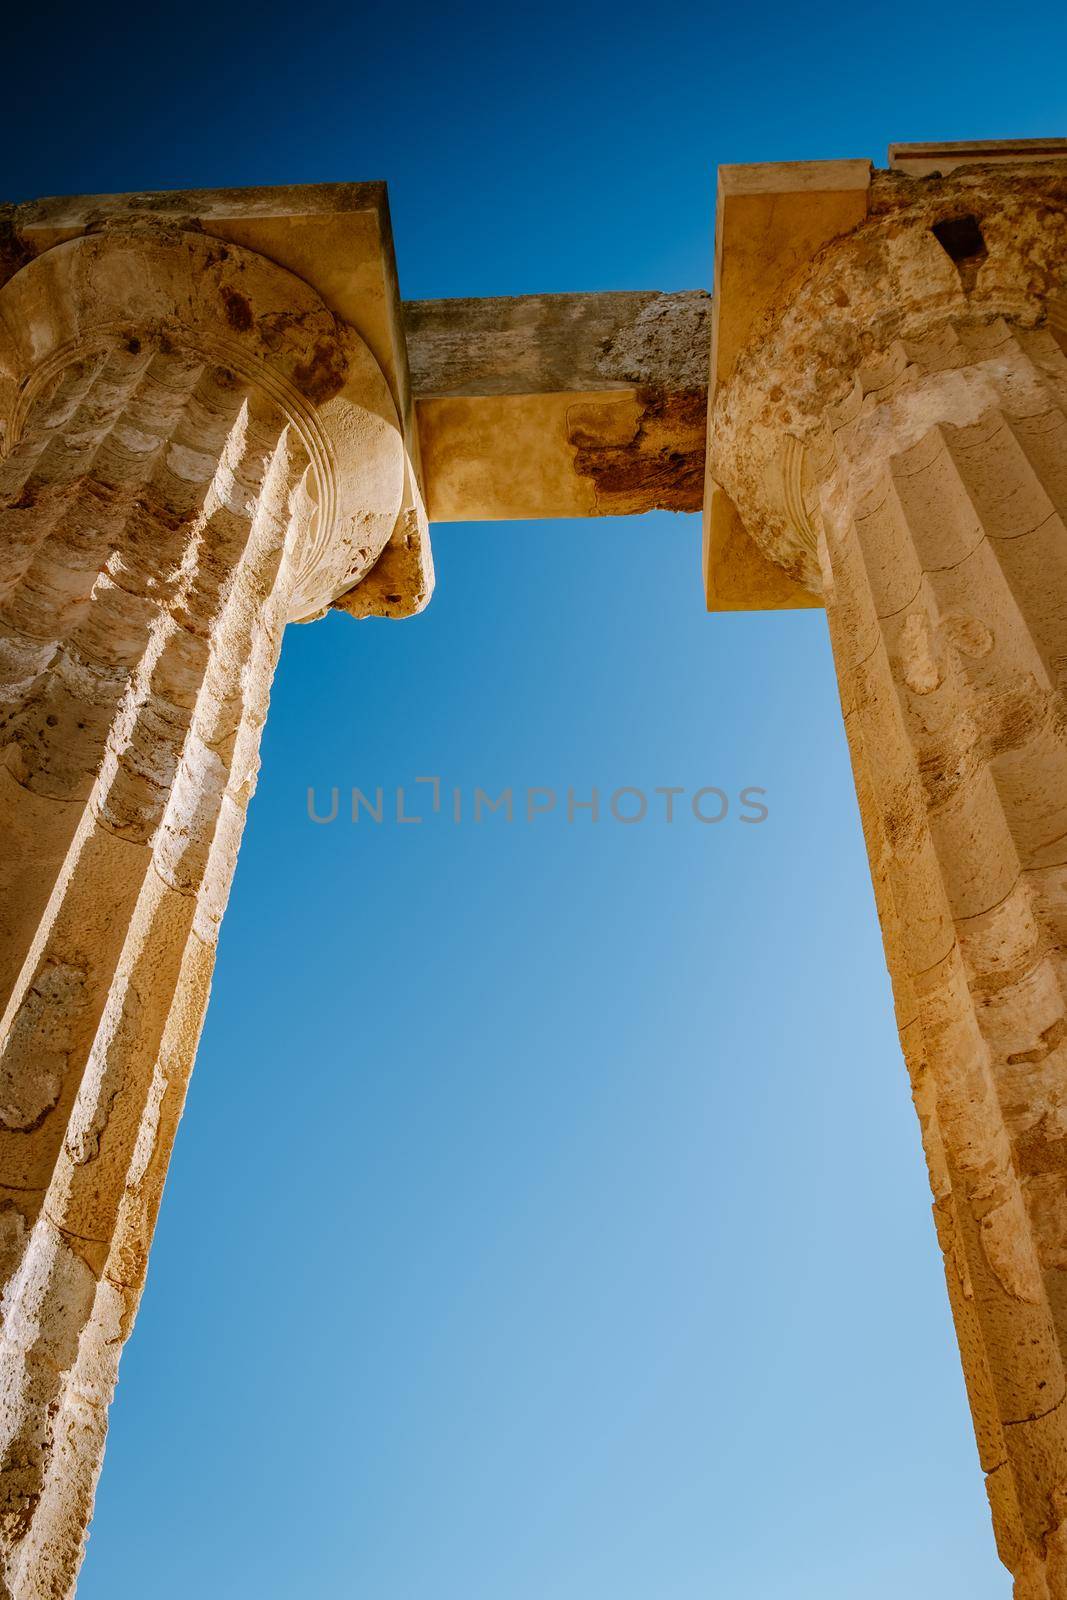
pixel 400 584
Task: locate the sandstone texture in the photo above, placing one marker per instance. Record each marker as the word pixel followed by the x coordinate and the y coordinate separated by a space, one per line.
pixel 196 450
pixel 893 436
pixel 563 405
pixel 218 417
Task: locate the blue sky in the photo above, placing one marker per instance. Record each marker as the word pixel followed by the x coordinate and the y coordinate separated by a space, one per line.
pixel 548 1221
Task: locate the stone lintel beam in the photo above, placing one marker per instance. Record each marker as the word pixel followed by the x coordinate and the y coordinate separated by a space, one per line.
pixel 560 405
pixel 938 160
pixel 337 237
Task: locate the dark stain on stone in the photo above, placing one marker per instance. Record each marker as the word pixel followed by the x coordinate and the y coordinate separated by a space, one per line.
pixel 276 326
pixel 661 468
pixel 238 310
pixel 323 374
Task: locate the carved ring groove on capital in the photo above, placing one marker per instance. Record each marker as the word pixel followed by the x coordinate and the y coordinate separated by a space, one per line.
pixel 142 284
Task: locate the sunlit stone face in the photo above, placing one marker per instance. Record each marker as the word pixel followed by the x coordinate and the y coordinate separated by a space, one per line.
pixel 186 467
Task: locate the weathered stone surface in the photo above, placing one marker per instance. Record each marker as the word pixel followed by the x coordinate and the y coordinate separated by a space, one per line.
pixel 894 434
pixel 209 428
pixel 885 282
pixel 196 449
pixel 335 237
pixel 938 160
pixel 770 220
pixel 737 575
pixel 560 405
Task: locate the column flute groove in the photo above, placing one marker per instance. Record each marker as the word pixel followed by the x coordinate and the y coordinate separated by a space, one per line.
pixel 163 513
pixel 933 468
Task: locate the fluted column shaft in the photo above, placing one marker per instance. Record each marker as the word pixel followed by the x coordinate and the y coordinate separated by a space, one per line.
pixel 944 511
pixel 895 435
pixel 145 590
pixel 161 516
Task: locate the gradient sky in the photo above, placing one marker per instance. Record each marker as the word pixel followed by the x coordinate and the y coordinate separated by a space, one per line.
pixel 548 1221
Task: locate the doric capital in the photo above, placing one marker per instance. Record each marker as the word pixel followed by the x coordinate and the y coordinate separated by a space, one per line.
pixel 173 274
pixel 204 426
pixel 983 242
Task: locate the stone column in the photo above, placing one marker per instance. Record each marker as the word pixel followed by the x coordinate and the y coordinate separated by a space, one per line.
pixel 895 437
pixel 195 451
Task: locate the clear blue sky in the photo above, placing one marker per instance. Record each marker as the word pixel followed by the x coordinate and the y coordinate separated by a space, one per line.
pixel 548 1221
